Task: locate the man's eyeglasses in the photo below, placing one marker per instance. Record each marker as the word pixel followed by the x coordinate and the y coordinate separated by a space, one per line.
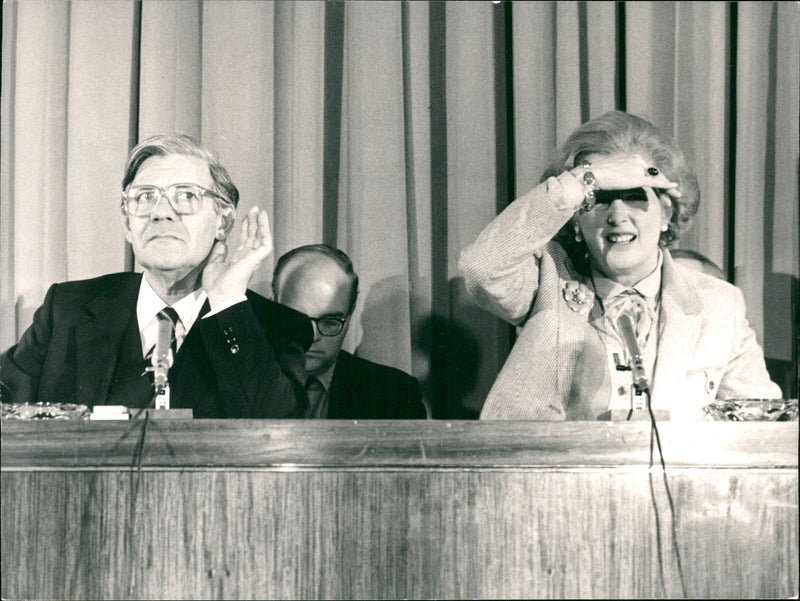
pixel 184 199
pixel 328 325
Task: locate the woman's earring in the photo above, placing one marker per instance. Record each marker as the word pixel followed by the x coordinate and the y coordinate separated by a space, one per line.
pixel 664 227
pixel 578 236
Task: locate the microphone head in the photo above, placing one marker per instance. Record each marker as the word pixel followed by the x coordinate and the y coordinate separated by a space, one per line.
pixel 627 329
pixel 163 350
pixel 626 324
pixel 162 355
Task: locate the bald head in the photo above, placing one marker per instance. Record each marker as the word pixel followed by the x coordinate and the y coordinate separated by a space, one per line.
pixel 318 280
pixel 312 261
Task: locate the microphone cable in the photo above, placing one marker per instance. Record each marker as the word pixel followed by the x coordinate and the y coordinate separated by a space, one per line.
pixel 138 453
pixel 656 438
pixel 134 484
pixel 87 515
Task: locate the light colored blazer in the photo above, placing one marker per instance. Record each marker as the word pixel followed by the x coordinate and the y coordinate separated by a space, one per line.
pixel 706 348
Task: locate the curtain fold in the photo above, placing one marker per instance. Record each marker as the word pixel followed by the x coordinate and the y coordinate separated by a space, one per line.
pixel 171 83
pixel 372 224
pixel 235 88
pixel 702 104
pixel 651 43
pixel 98 108
pixel 8 292
pixel 299 85
pixel 39 179
pixel 534 90
pixel 395 131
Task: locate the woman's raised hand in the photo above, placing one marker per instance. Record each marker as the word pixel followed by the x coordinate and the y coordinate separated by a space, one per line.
pixel 626 171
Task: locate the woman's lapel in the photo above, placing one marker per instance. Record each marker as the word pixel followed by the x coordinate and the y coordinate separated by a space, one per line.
pixel 679 328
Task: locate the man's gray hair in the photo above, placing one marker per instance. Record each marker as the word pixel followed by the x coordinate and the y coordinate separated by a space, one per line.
pixel 180 144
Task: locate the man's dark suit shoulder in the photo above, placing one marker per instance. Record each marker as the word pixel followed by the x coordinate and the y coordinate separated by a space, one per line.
pixel 45 366
pixel 281 324
pixel 362 389
pixel 75 293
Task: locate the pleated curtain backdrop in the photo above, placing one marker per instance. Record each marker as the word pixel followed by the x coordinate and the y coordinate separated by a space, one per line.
pixel 395 131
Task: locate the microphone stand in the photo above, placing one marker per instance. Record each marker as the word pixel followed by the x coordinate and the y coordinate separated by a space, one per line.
pixel 640 403
pixel 161 381
pixel 637 363
pixel 161 361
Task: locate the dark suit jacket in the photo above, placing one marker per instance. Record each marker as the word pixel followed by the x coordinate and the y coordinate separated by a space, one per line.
pixel 246 361
pixel 361 389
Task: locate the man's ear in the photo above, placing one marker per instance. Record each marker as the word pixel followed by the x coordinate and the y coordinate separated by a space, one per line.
pixel 126 225
pixel 226 217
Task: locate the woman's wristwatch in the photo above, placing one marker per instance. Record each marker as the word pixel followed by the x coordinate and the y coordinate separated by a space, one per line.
pixel 588 188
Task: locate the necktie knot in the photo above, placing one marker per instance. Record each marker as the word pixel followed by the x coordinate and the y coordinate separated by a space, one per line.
pixel 170 315
pixel 632 302
pixel 314 386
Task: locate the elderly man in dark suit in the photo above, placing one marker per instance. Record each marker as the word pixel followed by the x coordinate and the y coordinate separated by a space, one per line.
pixel 236 354
pixel 319 281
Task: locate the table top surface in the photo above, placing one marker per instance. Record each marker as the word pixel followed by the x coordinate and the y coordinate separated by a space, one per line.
pixel 344 444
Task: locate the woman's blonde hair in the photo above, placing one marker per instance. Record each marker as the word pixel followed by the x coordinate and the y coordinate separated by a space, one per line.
pixel 617 132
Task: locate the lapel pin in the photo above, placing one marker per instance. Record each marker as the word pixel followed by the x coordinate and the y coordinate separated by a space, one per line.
pixel 579 297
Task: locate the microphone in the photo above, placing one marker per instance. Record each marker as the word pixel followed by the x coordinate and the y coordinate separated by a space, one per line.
pixel 626 328
pixel 162 361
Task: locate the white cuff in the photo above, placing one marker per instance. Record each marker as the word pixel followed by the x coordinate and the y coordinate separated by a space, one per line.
pixel 225 305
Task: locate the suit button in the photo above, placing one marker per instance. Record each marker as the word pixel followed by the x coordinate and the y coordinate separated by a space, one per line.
pixel 234 349
pixel 621 391
pixel 711 385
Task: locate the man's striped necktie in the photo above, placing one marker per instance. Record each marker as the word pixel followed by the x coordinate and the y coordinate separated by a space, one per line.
pixel 169 315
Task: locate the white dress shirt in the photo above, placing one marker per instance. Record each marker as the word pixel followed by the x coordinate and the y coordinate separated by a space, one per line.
pixel 188 308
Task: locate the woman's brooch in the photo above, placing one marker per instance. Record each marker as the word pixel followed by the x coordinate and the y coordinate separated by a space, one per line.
pixel 579 297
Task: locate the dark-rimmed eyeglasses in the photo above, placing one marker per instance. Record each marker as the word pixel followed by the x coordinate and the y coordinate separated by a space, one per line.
pixel 184 199
pixel 327 325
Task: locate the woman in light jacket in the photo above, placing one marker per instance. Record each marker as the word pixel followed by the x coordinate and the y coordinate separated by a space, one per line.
pixel 584 254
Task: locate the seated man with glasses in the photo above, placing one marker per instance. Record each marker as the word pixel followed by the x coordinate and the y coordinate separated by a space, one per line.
pixel 319 281
pixel 236 354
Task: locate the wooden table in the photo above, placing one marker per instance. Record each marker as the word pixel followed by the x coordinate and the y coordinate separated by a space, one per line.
pixel 377 509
